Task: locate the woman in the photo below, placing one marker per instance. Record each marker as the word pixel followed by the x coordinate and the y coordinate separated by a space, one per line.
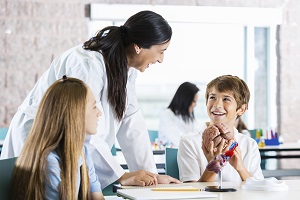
pixel 53 163
pixel 178 119
pixel 108 64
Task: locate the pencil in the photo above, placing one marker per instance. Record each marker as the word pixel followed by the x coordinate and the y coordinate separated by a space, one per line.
pixel 174 189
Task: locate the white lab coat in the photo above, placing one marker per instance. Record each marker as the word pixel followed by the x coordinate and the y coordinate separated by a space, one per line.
pixel 131 132
pixel 172 127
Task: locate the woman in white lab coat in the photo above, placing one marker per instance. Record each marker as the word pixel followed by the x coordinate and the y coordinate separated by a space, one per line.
pixel 178 119
pixel 108 64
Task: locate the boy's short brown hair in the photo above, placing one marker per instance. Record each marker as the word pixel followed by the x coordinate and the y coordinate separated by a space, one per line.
pixel 232 84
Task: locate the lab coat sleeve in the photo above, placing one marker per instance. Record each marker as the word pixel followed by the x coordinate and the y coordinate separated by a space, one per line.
pixel 133 135
pixel 106 166
pixel 135 144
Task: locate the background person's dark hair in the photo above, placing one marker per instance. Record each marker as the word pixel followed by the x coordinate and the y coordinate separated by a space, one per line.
pixel 240 125
pixel 145 29
pixel 182 100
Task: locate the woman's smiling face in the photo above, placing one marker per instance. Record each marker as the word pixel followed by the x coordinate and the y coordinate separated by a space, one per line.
pixel 145 57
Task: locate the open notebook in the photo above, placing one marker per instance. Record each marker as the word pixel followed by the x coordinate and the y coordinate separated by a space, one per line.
pixel 186 192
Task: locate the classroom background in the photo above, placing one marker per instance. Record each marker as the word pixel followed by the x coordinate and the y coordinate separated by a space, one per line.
pixel 265 55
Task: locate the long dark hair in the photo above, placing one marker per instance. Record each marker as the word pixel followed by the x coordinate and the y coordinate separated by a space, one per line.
pixel 182 100
pixel 145 29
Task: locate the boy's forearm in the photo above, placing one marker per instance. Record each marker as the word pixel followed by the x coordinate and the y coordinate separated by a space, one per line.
pixel 207 176
pixel 244 174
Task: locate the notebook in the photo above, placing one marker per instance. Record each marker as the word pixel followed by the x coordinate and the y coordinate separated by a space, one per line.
pixel 186 192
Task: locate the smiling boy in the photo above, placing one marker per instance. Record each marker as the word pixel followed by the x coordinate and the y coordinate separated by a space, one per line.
pixel 227 99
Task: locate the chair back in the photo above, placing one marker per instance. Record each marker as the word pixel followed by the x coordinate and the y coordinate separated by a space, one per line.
pixel 114 150
pixel 3 132
pixel 6 171
pixel 171 162
pixel 153 134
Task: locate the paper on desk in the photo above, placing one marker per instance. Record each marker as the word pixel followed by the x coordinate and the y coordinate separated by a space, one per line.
pixel 267 184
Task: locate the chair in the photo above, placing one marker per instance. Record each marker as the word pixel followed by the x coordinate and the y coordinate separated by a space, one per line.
pixel 253 133
pixel 3 132
pixel 171 162
pixel 108 191
pixel 6 170
pixel 114 150
pixel 153 134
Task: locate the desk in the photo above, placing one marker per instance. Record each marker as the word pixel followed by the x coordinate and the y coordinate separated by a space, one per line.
pixel 292 194
pixel 294 152
pixel 285 147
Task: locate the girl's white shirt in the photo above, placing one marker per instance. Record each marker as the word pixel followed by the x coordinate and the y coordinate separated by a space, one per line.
pixel 131 131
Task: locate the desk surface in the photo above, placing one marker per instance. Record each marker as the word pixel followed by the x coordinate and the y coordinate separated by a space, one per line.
pixel 295 146
pixel 240 194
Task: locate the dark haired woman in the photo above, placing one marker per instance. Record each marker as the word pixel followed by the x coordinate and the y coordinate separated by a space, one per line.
pixel 178 119
pixel 108 64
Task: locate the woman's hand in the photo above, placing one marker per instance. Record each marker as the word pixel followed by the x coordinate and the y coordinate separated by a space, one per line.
pixel 165 179
pixel 139 178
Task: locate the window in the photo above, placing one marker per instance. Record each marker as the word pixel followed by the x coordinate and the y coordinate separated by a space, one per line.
pixel 209 42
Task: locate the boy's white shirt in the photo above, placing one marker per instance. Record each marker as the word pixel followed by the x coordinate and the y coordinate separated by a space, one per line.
pixel 192 161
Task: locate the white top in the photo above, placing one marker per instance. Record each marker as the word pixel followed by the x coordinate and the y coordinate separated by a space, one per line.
pixel 172 127
pixel 192 161
pixel 131 132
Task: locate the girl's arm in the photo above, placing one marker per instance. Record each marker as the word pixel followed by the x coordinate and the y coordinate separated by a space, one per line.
pixel 97 196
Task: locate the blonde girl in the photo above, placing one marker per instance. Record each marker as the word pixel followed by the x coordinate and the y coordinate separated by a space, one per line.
pixel 54 164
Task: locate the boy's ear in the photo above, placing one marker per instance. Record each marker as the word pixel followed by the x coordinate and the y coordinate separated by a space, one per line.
pixel 242 109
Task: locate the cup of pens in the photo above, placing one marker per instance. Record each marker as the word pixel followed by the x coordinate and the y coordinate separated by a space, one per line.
pixel 267 138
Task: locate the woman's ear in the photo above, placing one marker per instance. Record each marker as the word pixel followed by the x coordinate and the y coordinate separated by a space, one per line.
pixel 242 109
pixel 137 48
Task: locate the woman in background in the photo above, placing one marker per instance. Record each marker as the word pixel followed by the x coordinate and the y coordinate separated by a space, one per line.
pixel 54 164
pixel 178 119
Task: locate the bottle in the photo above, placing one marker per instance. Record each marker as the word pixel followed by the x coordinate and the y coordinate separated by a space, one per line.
pixel 261 142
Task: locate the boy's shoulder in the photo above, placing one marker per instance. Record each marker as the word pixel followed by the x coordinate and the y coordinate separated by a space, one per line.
pixel 245 139
pixel 192 138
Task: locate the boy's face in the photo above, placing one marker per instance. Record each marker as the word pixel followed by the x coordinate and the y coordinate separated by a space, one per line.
pixel 221 108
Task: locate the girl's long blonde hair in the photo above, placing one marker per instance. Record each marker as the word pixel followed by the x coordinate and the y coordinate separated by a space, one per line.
pixel 59 125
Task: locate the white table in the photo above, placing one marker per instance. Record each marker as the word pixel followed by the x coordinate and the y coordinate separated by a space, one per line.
pixel 292 194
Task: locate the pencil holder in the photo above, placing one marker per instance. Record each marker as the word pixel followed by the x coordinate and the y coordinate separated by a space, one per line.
pixel 272 142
